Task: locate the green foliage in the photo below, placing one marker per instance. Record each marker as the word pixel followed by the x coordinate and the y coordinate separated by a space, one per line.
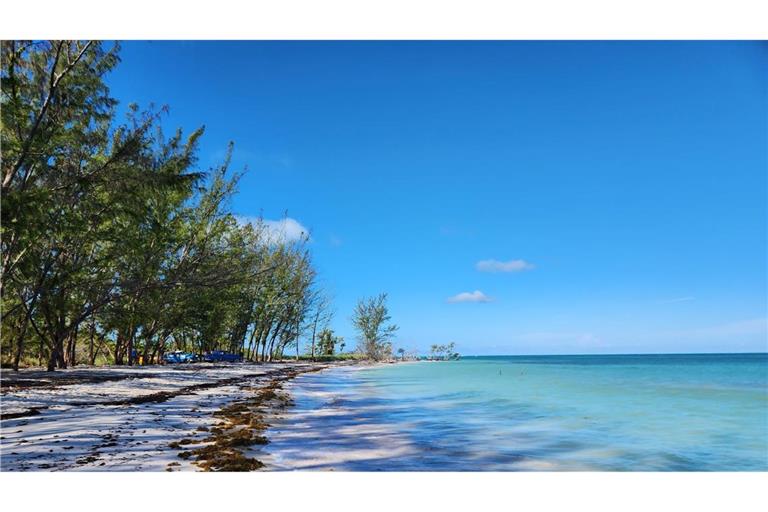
pixel 443 352
pixel 327 342
pixel 112 236
pixel 371 319
pixel 347 356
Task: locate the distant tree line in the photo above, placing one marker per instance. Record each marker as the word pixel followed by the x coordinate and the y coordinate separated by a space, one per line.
pixel 443 352
pixel 116 244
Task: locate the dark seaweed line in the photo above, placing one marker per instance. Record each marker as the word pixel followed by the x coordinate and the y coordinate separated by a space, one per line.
pixel 158 397
pixel 242 426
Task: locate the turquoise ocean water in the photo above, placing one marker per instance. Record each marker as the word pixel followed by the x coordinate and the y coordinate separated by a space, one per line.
pixel 698 412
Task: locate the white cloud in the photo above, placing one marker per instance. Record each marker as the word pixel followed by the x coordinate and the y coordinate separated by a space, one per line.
pixel 283 230
pixel 475 296
pixel 287 229
pixel 503 266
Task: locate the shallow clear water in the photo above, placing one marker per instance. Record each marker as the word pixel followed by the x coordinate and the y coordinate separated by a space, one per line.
pixel 706 412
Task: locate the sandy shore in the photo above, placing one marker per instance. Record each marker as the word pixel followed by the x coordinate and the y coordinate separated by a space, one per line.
pixel 338 425
pixel 162 418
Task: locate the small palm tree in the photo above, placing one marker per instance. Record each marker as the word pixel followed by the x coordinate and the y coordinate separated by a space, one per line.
pixel 401 351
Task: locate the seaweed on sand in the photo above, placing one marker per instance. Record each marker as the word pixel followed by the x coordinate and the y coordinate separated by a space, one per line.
pixel 242 425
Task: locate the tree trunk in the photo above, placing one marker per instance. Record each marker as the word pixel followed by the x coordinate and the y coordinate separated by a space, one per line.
pixel 72 347
pixel 20 343
pixel 92 332
pixel 41 353
pixel 130 348
pixel 298 326
pixel 314 330
pixel 119 349
pixel 56 358
pixel 52 361
pixel 271 350
pixel 61 362
pixel 263 343
pixel 251 350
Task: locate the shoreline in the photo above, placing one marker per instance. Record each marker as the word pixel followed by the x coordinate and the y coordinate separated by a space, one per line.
pixel 338 424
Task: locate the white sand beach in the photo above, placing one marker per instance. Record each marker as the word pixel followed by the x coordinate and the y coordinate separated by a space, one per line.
pixel 119 419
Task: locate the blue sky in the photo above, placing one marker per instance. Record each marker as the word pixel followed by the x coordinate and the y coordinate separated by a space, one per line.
pixel 513 197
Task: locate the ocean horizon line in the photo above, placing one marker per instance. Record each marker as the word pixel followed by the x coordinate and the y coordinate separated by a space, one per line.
pixel 619 354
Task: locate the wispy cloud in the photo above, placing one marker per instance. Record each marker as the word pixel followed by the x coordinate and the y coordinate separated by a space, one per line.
pixel 503 266
pixel 676 300
pixel 335 241
pixel 282 230
pixel 287 229
pixel 475 296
